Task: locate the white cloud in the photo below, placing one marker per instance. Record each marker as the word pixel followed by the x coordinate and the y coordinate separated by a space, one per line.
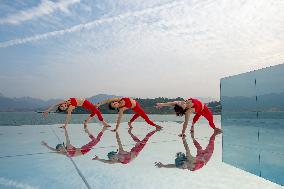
pixel 15 184
pixel 167 46
pixel 44 8
pixel 80 27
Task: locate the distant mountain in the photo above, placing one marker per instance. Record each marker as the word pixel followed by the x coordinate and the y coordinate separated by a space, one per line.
pixel 265 102
pixel 101 97
pixel 35 104
pixel 24 104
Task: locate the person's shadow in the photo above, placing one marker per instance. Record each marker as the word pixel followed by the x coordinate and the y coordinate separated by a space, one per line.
pixel 122 156
pixel 189 162
pixel 71 151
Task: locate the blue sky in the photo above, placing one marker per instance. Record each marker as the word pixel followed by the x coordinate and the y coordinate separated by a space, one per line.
pixel 142 48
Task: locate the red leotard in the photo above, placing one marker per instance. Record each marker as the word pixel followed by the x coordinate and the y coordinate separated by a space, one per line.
pixel 73 102
pixel 127 102
pixel 197 105
pixel 136 149
pixel 138 110
pixel 203 156
pixel 87 147
pixel 88 106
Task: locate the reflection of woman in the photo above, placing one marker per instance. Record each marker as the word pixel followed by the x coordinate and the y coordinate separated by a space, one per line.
pixel 187 161
pixel 187 107
pixel 123 104
pixel 71 151
pixel 70 104
pixel 122 156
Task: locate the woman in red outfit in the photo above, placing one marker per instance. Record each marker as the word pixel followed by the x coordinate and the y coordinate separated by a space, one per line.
pixel 187 161
pixel 70 104
pixel 187 107
pixel 123 104
pixel 71 151
pixel 125 157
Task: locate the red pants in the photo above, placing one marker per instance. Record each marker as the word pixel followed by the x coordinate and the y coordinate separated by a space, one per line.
pixel 87 147
pixel 89 106
pixel 140 112
pixel 203 156
pixel 140 144
pixel 207 114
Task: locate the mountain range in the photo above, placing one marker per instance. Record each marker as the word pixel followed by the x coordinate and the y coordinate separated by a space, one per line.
pixel 8 104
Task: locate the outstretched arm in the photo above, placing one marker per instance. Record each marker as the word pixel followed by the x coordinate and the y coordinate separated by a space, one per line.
pixel 103 160
pixel 68 117
pixel 120 115
pixel 45 113
pixel 120 147
pixel 186 120
pixel 67 137
pixel 160 165
pixel 187 151
pixel 47 146
pixel 107 101
pixel 160 105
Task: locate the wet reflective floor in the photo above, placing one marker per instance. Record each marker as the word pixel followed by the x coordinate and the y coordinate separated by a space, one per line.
pixel 136 158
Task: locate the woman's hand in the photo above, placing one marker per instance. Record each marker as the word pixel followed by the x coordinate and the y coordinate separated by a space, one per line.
pixel 63 126
pixel 97 105
pixel 159 164
pixel 43 143
pixel 95 158
pixel 182 135
pixel 45 114
pixel 159 105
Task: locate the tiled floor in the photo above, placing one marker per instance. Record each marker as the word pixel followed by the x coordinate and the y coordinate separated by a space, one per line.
pixel 25 163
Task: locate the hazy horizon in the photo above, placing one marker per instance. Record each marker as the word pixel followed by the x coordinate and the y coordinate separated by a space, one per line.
pixel 162 48
pixel 55 98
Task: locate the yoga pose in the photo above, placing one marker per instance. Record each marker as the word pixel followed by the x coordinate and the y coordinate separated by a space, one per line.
pixel 187 161
pixel 71 151
pixel 70 104
pixel 122 156
pixel 191 106
pixel 123 104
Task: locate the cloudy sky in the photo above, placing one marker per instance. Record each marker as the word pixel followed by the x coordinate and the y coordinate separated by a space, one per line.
pixel 141 48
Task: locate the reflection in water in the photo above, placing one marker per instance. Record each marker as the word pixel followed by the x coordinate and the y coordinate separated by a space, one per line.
pixel 187 161
pixel 122 156
pixel 71 151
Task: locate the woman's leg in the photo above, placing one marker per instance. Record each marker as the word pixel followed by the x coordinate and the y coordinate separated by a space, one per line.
pixel 208 115
pixel 140 145
pixel 142 113
pixel 87 147
pixel 134 118
pixel 195 118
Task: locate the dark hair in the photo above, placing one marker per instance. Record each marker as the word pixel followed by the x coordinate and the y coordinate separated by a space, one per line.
pixel 111 154
pixel 110 107
pixel 58 146
pixel 180 159
pixel 179 110
pixel 59 110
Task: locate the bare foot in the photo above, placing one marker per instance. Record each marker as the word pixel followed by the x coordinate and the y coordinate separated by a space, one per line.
pixel 182 135
pixel 114 130
pixel 130 129
pixel 158 127
pixel 63 127
pixel 106 125
pixel 192 129
pixel 218 131
pixel 129 124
